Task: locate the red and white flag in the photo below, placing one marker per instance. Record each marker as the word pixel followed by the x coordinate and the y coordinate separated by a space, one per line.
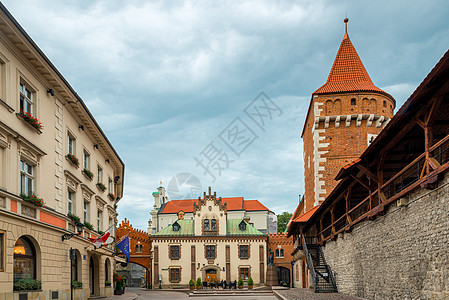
pixel 104 239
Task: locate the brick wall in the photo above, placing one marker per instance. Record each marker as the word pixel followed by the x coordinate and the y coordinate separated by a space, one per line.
pixel 402 255
pixel 335 134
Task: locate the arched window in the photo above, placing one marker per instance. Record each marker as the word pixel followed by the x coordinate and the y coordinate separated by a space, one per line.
pixel 242 226
pixel 282 252
pixel 206 224
pixel 213 224
pixel 106 269
pixel 24 259
pixel 277 252
pixel 385 103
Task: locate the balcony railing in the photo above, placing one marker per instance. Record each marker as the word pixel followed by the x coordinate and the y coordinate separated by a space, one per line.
pixel 407 179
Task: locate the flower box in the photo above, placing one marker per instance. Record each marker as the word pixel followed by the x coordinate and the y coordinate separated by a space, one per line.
pixel 32 121
pixel 88 225
pixel 111 196
pixel 87 173
pixel 33 199
pixel 101 186
pixel 73 159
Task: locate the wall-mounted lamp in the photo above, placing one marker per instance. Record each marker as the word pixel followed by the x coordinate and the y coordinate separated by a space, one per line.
pixel 107 160
pixel 51 92
pixel 79 228
pixel 96 146
pixel 81 127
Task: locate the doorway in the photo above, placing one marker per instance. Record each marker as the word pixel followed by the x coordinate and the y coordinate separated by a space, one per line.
pixel 211 275
pixel 91 276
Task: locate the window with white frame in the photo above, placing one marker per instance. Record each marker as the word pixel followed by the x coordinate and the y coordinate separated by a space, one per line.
pixel 99 220
pixel 99 174
pixel 26 98
pixel 71 144
pixel 70 202
pixel 110 186
pixel 86 212
pixel 86 160
pixel 26 178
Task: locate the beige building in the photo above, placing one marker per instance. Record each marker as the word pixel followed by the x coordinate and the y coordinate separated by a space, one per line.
pixel 210 245
pixel 55 161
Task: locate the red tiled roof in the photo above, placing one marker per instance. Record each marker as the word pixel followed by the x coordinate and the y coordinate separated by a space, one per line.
pixel 251 205
pixel 306 216
pixel 235 203
pixel 348 73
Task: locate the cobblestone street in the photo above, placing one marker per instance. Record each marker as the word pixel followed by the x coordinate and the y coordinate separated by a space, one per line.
pixel 308 294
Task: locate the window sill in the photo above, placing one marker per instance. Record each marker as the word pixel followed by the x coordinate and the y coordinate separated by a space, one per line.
pixel 87 176
pixel 71 162
pixel 244 257
pixel 28 124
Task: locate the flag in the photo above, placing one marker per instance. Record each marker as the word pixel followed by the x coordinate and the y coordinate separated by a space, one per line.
pixel 123 245
pixel 104 239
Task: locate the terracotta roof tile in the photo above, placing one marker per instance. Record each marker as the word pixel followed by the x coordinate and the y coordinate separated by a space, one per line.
pixel 234 203
pixel 348 73
pixel 306 216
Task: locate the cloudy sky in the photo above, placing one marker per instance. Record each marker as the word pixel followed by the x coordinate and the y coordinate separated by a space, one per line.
pixel 170 82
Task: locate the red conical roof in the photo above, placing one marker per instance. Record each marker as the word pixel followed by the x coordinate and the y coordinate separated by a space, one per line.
pixel 348 73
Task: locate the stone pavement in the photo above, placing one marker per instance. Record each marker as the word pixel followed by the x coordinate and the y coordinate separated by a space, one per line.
pixel 308 294
pixel 128 295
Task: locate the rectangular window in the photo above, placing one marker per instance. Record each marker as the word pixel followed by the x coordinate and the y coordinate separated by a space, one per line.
pixel 99 174
pixel 26 178
pixel 110 222
pixel 26 98
pixel 2 251
pixel 70 198
pixel 174 252
pixel 243 251
pixel 99 220
pixel 71 145
pixel 210 251
pixel 86 160
pixel 175 275
pixel 110 186
pixel 86 212
pixel 244 273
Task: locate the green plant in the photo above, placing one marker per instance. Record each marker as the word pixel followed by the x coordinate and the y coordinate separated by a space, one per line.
pixel 199 282
pixel 100 232
pixel 75 219
pixel 250 281
pixel 33 121
pixel 73 159
pixel 88 225
pixel 88 173
pixel 240 282
pixel 111 196
pixel 77 284
pixel 192 282
pixel 27 284
pixel 101 186
pixel 117 277
pixel 107 283
pixel 33 199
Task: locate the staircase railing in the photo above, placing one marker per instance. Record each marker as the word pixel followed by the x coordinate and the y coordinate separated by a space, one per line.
pixel 309 261
pixel 329 271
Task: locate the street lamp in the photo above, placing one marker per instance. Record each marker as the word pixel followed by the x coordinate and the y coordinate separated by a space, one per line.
pixel 79 228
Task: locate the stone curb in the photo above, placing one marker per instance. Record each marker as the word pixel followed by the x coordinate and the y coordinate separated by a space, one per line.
pixel 279 296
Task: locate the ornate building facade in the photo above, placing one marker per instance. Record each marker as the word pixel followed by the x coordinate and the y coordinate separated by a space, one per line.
pixel 57 169
pixel 212 244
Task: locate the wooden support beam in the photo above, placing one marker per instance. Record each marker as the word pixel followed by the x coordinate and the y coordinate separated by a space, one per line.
pixel 367 172
pixel 361 182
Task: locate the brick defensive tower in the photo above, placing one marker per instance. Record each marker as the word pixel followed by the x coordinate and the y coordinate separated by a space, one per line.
pixel 344 116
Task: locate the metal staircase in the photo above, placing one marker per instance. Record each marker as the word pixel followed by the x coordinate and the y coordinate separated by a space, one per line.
pixel 321 273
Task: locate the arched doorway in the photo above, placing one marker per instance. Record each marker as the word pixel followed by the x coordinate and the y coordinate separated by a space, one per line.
pixel 283 276
pixel 94 275
pixel 211 275
pixel 25 259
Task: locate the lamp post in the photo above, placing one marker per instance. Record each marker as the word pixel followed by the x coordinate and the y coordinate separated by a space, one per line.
pixel 68 236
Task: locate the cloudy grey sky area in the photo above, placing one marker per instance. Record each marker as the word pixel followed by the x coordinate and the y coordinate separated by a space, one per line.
pixel 165 78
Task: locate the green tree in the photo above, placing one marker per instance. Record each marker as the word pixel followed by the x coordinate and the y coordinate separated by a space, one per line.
pixel 283 220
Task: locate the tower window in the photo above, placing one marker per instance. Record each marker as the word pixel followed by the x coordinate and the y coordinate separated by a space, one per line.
pixel 385 103
pixel 353 101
